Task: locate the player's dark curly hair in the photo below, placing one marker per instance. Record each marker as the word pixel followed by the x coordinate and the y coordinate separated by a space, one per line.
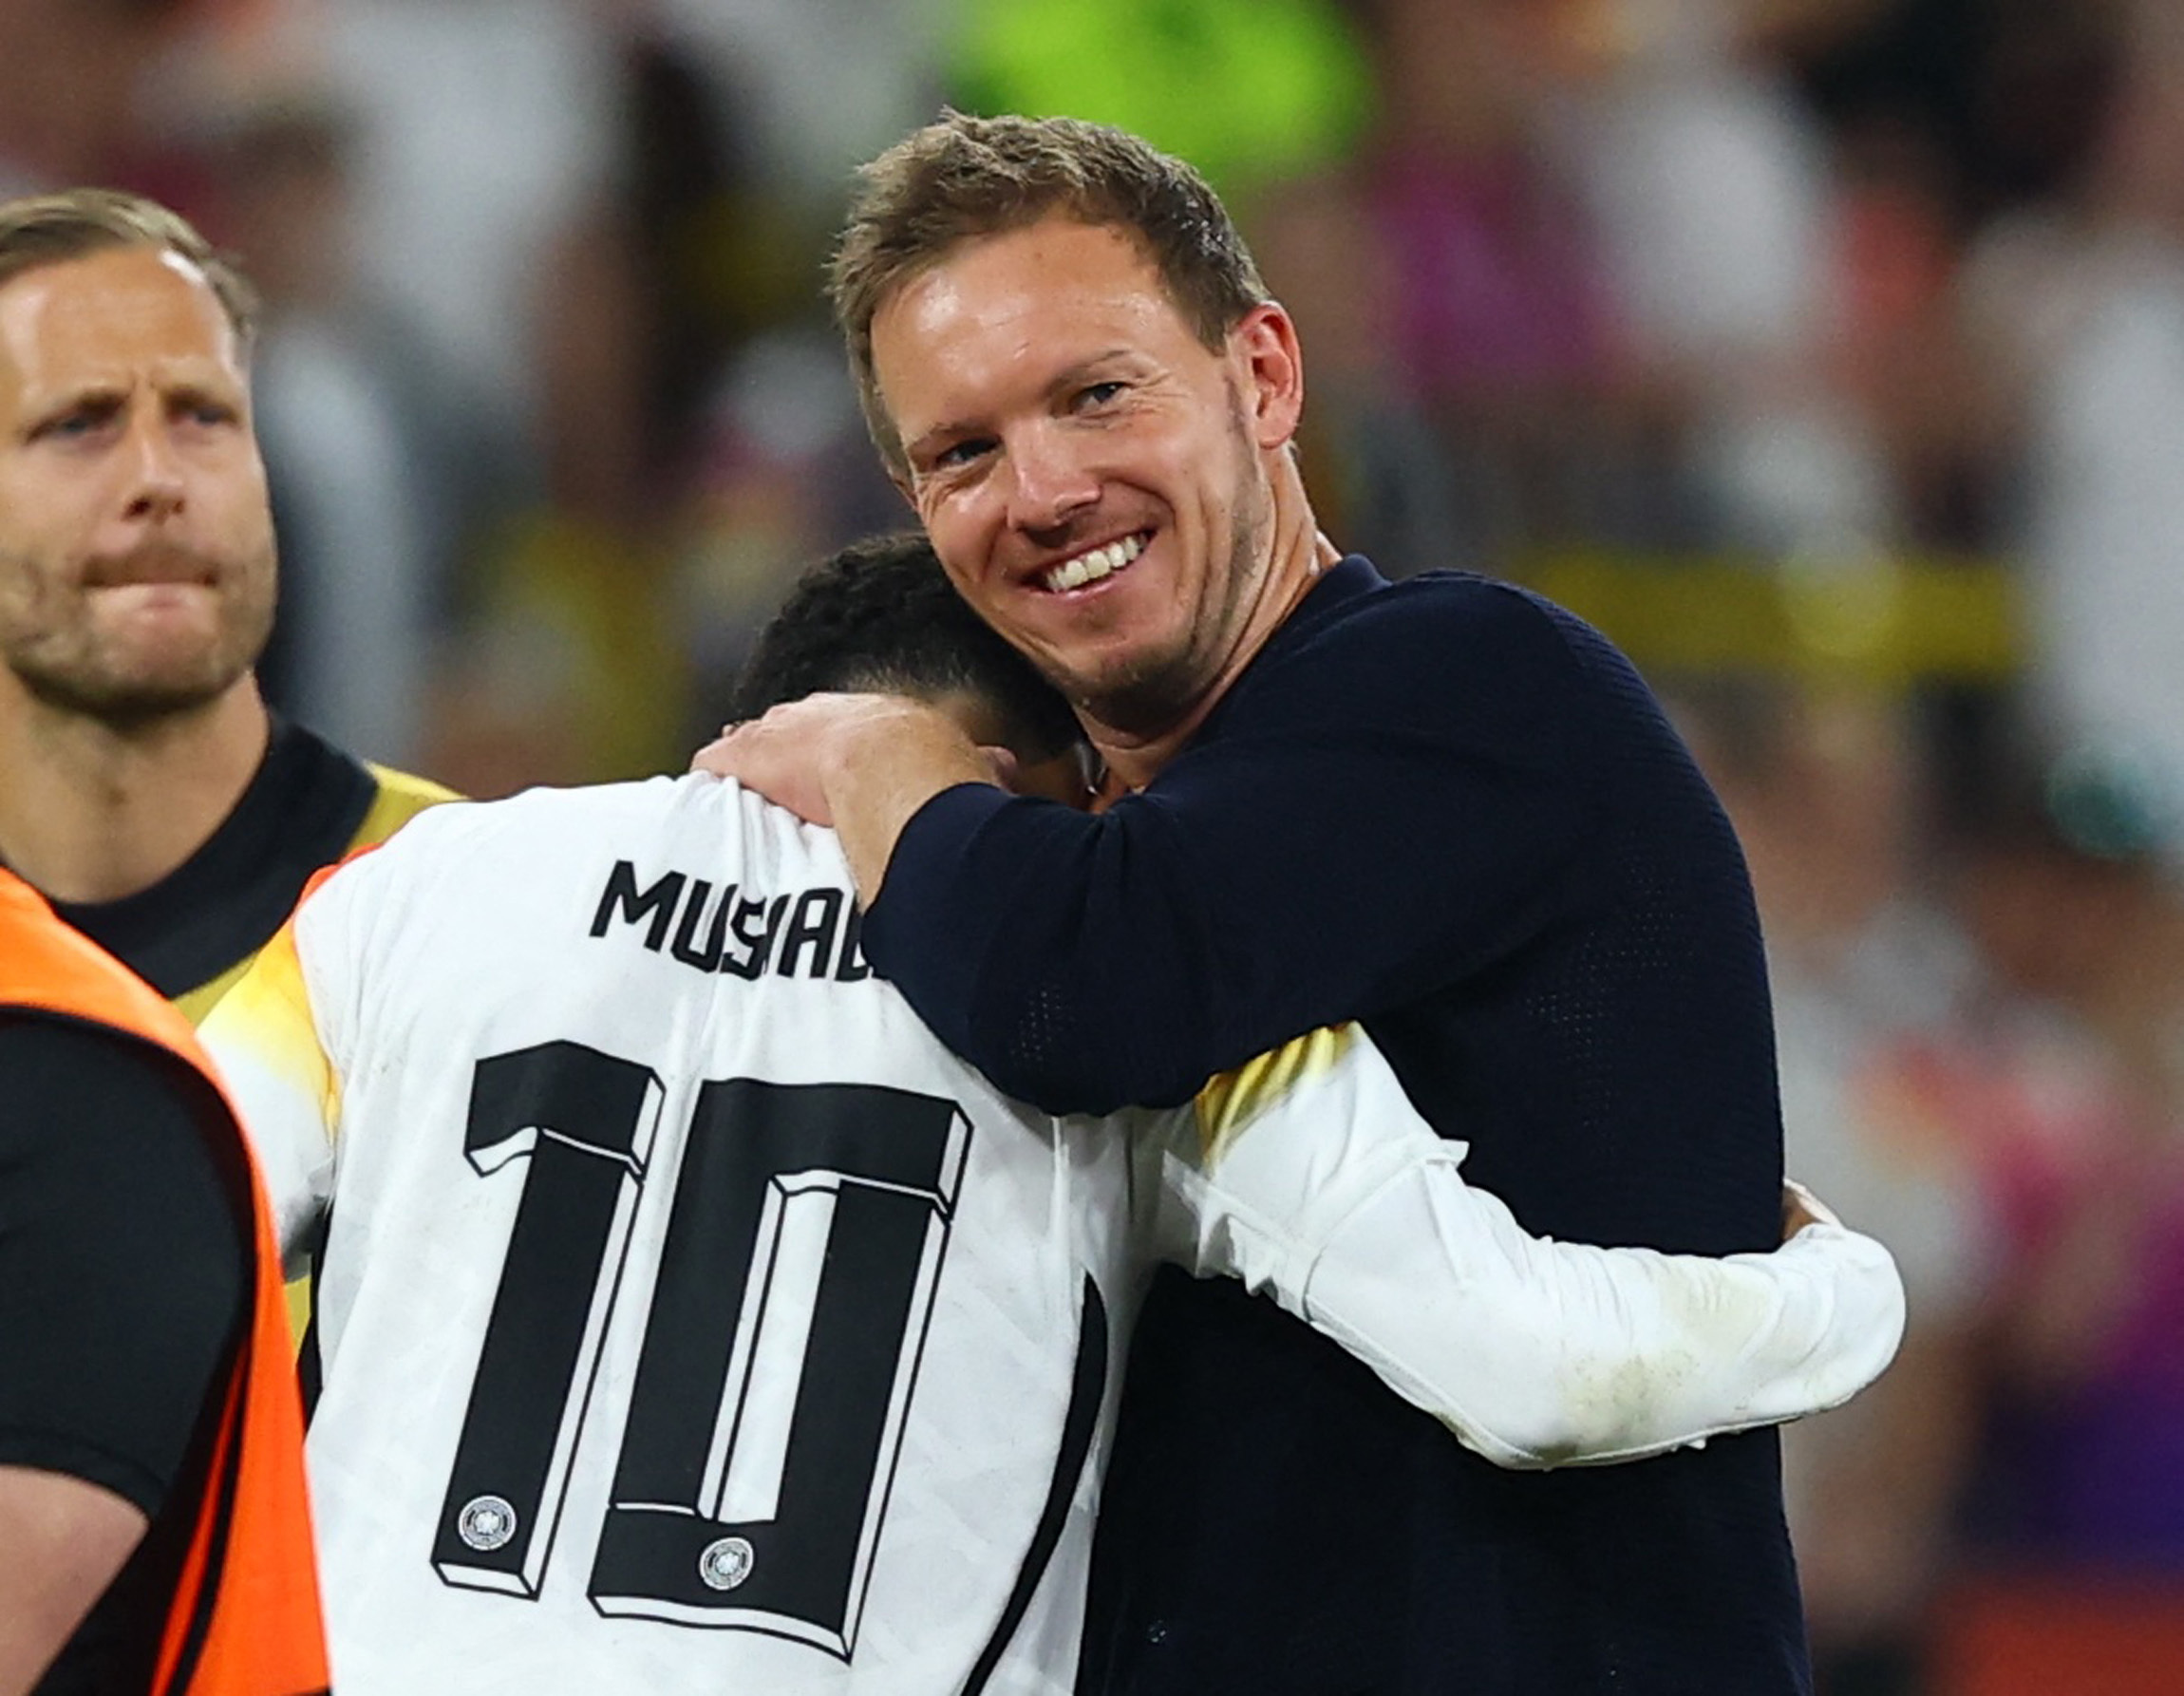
pixel 880 615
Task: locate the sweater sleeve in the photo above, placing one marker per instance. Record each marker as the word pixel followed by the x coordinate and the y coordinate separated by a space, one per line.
pixel 1391 798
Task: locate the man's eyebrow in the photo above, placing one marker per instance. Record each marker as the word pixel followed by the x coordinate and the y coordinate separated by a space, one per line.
pixel 1086 367
pixel 1067 378
pixel 79 393
pixel 63 403
pixel 191 392
pixel 927 440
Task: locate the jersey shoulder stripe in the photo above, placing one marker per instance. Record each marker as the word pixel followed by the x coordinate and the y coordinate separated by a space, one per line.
pixel 399 798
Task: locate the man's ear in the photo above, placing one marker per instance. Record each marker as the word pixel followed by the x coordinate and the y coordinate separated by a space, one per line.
pixel 1265 341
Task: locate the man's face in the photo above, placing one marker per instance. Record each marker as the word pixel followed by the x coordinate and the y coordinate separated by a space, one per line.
pixel 135 541
pixel 1093 476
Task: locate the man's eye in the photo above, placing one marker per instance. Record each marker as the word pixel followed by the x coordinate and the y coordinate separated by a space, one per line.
pixel 960 453
pixel 1099 394
pixel 71 425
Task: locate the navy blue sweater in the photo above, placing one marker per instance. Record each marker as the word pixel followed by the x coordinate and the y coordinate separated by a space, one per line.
pixel 1451 810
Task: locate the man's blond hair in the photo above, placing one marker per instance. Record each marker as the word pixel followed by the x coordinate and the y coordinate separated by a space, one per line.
pixel 41 230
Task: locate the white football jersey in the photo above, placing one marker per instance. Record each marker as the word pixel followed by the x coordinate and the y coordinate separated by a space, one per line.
pixel 691 1320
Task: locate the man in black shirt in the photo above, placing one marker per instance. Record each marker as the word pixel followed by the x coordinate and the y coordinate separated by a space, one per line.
pixel 149 793
pixel 1443 807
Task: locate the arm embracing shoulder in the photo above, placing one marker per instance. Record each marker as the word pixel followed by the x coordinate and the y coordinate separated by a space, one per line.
pixel 1088 963
pixel 1309 1176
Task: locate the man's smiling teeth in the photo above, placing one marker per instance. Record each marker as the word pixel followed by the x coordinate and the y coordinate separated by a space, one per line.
pixel 1090 566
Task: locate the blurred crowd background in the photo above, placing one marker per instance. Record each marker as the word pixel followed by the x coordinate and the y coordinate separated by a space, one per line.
pixel 1829 353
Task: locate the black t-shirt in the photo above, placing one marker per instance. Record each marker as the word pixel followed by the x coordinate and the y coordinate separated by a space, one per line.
pixel 122 1292
pixel 302 810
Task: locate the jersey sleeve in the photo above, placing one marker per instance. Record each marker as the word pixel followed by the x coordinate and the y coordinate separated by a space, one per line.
pixel 267 1038
pixel 1308 1176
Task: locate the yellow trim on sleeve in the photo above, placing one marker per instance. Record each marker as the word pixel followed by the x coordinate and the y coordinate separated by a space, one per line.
pixel 1231 1101
pixel 401 798
pixel 268 1012
pixel 196 1005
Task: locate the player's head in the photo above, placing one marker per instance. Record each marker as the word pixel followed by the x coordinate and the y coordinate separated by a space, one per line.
pixel 880 615
pixel 962 178
pixel 136 535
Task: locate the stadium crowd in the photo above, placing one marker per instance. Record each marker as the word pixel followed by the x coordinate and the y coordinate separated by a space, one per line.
pixel 1838 299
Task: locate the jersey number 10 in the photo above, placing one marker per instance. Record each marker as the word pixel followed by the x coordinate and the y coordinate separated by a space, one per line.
pixel 795 1281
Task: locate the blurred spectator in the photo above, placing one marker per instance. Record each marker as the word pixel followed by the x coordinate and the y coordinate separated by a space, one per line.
pixel 533 244
pixel 2076 1109
pixel 1710 180
pixel 1870 977
pixel 484 130
pixel 1367 441
pixel 1502 319
pixel 2077 302
pixel 72 75
pixel 1468 396
pixel 752 453
pixel 818 86
pixel 1610 266
pixel 1958 128
pixel 400 171
pixel 372 491
pixel 2002 92
pixel 786 474
pixel 1899 355
pixel 596 261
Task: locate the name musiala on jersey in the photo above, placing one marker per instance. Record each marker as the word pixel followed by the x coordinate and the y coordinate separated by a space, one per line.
pixel 807 932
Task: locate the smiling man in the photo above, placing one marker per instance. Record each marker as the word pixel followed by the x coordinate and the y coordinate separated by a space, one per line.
pixel 1443 809
pixel 149 793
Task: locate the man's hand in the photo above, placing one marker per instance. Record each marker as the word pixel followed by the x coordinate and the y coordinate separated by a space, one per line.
pixel 862 763
pixel 1800 1208
pixel 784 754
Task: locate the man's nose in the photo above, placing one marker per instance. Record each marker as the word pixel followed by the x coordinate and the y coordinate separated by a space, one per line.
pixel 1050 482
pixel 155 485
